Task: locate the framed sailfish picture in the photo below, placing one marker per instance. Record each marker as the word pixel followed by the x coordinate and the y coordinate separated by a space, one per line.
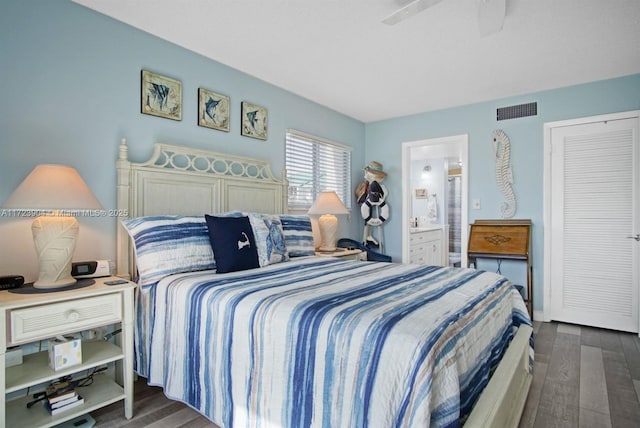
pixel 254 121
pixel 161 96
pixel 213 110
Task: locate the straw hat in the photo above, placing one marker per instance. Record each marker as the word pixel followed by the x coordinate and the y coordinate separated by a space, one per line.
pixel 375 169
pixel 361 191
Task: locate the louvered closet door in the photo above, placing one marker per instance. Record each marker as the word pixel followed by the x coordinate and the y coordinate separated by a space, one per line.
pixel 594 261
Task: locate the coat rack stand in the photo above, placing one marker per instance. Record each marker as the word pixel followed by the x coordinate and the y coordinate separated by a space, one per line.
pixel 378 236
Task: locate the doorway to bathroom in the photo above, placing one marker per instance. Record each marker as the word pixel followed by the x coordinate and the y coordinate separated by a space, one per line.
pixel 434 192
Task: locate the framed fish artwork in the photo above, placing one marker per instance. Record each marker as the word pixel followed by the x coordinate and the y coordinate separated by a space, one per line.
pixel 213 110
pixel 254 121
pixel 161 96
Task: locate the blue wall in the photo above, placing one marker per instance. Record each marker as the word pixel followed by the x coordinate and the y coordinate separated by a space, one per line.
pixel 71 90
pixel 384 140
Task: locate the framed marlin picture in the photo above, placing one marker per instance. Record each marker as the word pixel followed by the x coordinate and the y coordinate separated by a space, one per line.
pixel 254 121
pixel 161 96
pixel 213 110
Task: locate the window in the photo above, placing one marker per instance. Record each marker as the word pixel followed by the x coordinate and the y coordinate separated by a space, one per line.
pixel 316 165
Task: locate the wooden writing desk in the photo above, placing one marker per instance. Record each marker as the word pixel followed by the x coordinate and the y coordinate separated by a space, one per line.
pixel 503 240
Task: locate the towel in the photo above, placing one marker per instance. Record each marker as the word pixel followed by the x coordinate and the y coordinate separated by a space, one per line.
pixel 432 209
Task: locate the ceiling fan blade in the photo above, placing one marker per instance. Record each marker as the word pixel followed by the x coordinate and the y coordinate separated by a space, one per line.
pixel 409 10
pixel 491 15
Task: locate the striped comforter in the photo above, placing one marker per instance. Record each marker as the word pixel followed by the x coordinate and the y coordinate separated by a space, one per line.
pixel 326 342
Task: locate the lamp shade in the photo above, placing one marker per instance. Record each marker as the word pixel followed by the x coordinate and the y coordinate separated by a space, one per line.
pixel 328 203
pixel 53 187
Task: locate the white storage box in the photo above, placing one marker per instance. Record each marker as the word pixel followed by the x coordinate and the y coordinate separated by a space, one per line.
pixel 65 352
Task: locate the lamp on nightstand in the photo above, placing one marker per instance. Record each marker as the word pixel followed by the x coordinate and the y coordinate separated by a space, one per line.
pixel 56 192
pixel 326 205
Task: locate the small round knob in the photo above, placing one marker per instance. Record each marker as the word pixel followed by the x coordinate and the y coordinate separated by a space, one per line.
pixel 73 316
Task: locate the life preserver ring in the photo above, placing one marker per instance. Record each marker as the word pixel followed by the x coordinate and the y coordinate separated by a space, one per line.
pixel 375 212
pixel 374 215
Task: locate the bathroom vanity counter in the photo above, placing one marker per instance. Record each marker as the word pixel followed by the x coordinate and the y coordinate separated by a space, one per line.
pixel 426 228
pixel 427 245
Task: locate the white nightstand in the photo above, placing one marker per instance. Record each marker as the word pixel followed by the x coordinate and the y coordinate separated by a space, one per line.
pixel 26 318
pixel 344 253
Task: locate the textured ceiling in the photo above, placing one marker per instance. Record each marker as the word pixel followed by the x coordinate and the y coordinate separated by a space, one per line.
pixel 339 54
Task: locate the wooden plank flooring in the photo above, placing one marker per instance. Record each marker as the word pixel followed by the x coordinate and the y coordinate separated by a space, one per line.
pixel 583 377
pixel 151 409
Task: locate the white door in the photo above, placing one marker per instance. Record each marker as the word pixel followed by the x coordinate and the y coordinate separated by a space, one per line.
pixel 594 219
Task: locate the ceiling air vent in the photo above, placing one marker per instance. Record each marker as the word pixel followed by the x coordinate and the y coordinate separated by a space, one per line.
pixel 514 112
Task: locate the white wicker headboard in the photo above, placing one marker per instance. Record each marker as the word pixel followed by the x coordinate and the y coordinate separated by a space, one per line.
pixel 180 180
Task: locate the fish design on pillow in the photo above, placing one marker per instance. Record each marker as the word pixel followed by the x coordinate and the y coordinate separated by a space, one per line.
pixel 276 240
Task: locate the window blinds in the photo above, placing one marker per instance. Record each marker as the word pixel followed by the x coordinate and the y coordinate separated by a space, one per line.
pixel 316 165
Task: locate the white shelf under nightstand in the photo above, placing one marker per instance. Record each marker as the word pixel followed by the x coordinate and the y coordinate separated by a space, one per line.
pixel 344 253
pixel 26 318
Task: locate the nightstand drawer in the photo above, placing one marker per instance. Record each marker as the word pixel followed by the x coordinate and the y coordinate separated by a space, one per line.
pixel 40 322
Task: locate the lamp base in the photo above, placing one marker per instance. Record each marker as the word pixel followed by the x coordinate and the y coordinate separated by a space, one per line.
pixel 55 240
pixel 328 224
pixel 62 283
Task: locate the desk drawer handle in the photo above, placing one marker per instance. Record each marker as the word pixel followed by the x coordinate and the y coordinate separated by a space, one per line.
pixel 73 316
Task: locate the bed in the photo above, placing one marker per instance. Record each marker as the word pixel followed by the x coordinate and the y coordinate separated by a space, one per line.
pixel 304 340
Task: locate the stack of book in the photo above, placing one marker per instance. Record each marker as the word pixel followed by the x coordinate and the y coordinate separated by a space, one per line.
pixel 63 401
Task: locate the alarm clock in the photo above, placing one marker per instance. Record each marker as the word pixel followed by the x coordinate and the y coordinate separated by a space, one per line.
pixel 8 282
pixel 92 269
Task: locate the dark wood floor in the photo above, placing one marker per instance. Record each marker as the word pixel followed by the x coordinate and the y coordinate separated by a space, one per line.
pixel 583 377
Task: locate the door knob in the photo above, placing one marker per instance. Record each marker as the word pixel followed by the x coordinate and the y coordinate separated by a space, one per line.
pixel 637 237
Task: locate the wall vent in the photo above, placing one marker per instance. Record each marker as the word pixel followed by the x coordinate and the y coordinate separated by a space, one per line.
pixel 514 112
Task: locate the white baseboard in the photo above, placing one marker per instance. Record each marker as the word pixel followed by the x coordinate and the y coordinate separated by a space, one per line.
pixel 538 316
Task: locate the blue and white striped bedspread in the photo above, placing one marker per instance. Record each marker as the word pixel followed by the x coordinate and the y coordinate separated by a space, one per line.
pixel 328 343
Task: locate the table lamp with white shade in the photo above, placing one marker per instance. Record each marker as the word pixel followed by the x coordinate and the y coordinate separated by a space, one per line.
pixel 56 192
pixel 327 204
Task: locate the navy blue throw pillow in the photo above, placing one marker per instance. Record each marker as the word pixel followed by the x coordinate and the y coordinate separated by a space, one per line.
pixel 233 244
